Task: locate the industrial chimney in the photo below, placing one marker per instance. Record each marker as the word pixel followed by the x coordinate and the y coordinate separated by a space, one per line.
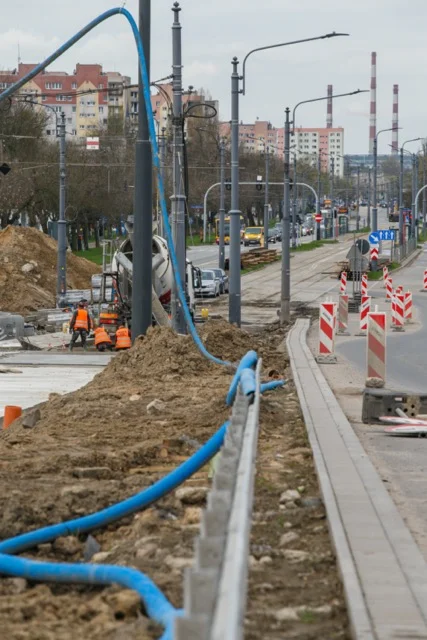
pixel 329 111
pixel 395 120
pixel 373 111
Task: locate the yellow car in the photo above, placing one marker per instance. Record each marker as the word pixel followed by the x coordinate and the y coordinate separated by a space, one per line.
pixel 253 235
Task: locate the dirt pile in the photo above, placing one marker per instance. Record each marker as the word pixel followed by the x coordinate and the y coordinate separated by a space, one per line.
pixel 138 419
pixel 28 270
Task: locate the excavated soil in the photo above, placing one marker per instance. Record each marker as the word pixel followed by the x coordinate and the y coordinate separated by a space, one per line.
pixel 100 444
pixel 28 270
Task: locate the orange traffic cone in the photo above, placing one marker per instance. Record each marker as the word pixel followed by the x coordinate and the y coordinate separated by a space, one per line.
pixel 11 413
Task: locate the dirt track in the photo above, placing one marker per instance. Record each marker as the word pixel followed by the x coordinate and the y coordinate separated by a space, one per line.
pixel 99 445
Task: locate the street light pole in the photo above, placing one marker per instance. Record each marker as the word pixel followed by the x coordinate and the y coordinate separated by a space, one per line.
pixel 332 174
pixel 266 196
pixel 375 209
pixel 358 198
pixel 369 197
pixel 285 300
pixel 294 202
pixel 319 177
pixel 221 212
pixel 178 197
pixel 61 286
pixel 234 307
pixel 143 215
pixel 401 217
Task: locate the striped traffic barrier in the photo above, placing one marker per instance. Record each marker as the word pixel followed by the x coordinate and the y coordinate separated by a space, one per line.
pixel 374 253
pixel 424 281
pixel 385 276
pixel 364 285
pixel 343 282
pixel 365 308
pixel 376 349
pixel 398 312
pixel 389 289
pixel 408 306
pixel 399 289
pixel 327 333
pixel 343 315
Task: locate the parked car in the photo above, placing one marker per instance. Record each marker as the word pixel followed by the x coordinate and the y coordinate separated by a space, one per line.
pixel 253 235
pixel 272 235
pixel 210 284
pixel 223 280
pixel 278 229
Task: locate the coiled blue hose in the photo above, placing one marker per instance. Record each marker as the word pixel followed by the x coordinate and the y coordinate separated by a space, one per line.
pixel 157 605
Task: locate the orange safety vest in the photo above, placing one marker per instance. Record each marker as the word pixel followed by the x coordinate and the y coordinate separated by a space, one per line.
pixel 123 340
pixel 101 336
pixel 82 320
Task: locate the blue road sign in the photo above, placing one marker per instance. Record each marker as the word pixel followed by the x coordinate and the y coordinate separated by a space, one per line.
pixel 387 234
pixel 374 237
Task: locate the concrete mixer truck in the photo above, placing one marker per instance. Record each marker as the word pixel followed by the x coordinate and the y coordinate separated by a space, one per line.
pixel 114 286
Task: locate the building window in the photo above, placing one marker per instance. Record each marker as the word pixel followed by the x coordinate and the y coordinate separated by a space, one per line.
pixel 53 85
pixel 61 98
pixel 74 132
pixel 74 85
pixel 74 109
pixel 100 86
pixel 101 109
pixel 82 126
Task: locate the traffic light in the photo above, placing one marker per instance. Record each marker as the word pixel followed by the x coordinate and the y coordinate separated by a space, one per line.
pixel 258 186
pixel 228 185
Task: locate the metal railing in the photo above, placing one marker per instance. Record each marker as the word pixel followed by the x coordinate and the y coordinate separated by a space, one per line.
pixel 215 587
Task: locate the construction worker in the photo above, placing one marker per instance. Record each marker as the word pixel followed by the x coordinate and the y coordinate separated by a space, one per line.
pixel 80 325
pixel 102 340
pixel 123 339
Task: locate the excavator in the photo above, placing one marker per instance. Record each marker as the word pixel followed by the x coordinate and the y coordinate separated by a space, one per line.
pixel 113 289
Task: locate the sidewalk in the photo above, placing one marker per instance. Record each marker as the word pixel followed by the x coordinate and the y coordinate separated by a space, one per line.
pixel 383 571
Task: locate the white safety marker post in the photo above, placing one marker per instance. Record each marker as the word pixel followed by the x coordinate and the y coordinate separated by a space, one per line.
pixel 343 283
pixel 385 276
pixel 327 333
pixel 389 289
pixel 365 309
pixel 424 289
pixel 364 285
pixel 376 350
pixel 343 316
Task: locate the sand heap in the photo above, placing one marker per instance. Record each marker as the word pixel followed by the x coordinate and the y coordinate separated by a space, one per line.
pixel 28 270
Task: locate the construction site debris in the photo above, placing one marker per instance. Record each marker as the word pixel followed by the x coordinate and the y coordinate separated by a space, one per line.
pixel 28 270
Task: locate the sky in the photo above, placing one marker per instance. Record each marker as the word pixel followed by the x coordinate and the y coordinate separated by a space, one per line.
pixel 214 32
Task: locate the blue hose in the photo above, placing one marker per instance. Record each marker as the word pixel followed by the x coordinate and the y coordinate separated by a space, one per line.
pixel 248 382
pixel 124 508
pixel 249 360
pixel 157 605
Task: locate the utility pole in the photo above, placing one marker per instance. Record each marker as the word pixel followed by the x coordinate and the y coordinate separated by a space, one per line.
pixel 319 177
pixel 162 150
pixel 358 199
pixel 222 205
pixel 424 182
pixel 266 211
pixel 331 188
pixel 369 197
pixel 414 191
pixel 285 298
pixel 143 213
pixel 178 197
pixel 61 286
pixel 294 201
pixel 234 308
pixel 415 222
pixel 401 220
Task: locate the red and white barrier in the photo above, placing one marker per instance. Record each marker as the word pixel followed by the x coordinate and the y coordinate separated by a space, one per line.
pixel 374 253
pixel 398 312
pixel 365 308
pixel 343 282
pixel 389 289
pixel 399 289
pixel 425 281
pixel 327 322
pixel 376 349
pixel 408 306
pixel 385 276
pixel 364 285
pixel 343 315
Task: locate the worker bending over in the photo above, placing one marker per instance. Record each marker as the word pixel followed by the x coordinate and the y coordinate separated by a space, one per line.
pixel 123 339
pixel 102 340
pixel 80 325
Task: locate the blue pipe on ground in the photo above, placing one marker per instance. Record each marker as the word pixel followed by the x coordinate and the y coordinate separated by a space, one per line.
pixel 248 382
pixel 249 360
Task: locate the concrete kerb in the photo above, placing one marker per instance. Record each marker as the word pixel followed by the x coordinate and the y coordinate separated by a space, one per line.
pixel 361 628
pixel 403 558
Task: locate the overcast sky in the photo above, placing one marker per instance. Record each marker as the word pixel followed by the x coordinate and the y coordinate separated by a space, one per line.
pixel 215 31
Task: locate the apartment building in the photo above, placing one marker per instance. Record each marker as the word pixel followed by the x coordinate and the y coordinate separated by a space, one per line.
pixel 88 96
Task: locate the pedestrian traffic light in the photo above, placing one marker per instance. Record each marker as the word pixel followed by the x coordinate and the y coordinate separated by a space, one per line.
pixel 228 185
pixel 258 186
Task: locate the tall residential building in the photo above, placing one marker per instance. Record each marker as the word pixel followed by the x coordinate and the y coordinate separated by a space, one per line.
pixel 88 97
pixel 256 137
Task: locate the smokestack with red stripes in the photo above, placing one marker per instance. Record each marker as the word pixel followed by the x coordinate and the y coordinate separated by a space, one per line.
pixel 329 111
pixel 395 120
pixel 373 110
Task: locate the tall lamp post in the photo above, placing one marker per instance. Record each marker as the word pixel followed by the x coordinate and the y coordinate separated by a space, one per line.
pixel 375 208
pixel 234 311
pixel 61 264
pixel 401 220
pixel 285 294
